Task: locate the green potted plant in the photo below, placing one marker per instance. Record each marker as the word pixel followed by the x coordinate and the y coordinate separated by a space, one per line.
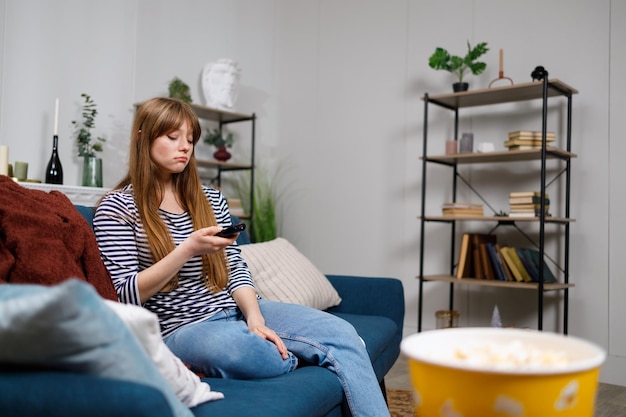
pixel 457 65
pixel 178 89
pixel 88 146
pixel 264 203
pixel 221 140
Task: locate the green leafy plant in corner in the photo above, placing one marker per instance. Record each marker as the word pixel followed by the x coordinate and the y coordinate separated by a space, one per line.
pixel 87 144
pixel 178 89
pixel 264 204
pixel 218 138
pixel 442 60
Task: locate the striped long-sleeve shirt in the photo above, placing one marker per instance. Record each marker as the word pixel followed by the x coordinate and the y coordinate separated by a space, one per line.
pixel 124 249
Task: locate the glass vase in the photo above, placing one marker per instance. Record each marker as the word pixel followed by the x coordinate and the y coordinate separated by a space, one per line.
pixel 92 171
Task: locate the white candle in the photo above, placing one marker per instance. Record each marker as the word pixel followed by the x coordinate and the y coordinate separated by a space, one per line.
pixel 56 117
pixel 4 160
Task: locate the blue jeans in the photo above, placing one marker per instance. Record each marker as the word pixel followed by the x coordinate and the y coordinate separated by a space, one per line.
pixel 222 346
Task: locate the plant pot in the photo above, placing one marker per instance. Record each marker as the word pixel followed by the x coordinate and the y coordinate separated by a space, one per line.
pixel 92 171
pixel 222 154
pixel 457 87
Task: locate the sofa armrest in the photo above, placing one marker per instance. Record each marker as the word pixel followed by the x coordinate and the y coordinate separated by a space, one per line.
pixel 370 296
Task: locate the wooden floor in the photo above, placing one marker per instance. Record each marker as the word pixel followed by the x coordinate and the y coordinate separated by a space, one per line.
pixel 610 402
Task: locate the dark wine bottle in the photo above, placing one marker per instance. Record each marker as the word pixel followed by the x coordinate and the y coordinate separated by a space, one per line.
pixel 54 171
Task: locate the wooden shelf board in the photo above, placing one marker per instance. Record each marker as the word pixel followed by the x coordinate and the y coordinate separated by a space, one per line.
pixel 240 214
pixel 203 163
pixel 495 283
pixel 504 94
pixel 550 219
pixel 500 156
pixel 216 115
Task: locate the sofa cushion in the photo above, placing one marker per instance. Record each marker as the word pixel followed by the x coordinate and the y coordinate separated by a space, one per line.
pixel 309 391
pixel 40 393
pixel 282 273
pixel 68 327
pixel 376 331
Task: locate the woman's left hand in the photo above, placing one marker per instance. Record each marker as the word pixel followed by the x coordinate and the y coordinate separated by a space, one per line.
pixel 245 297
pixel 269 334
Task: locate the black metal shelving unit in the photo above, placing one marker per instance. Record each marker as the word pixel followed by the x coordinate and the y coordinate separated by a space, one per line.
pixel 224 117
pixel 543 90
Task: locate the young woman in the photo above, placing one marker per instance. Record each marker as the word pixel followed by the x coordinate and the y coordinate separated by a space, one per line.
pixel 156 233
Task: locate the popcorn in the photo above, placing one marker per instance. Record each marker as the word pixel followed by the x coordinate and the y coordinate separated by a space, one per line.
pixel 515 355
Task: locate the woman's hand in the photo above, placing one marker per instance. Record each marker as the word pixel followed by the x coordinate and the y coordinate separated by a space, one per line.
pixel 268 334
pixel 151 280
pixel 245 297
pixel 204 241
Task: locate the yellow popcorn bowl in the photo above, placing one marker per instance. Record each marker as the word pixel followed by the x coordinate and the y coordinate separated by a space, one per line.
pixel 495 372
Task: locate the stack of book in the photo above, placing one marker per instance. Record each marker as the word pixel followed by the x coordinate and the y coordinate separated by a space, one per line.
pixel 462 209
pixel 481 257
pixel 527 204
pixel 527 139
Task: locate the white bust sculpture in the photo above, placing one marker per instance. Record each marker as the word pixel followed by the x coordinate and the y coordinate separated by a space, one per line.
pixel 220 80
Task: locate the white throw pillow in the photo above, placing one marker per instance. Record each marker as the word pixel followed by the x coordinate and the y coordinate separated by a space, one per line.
pixel 145 325
pixel 282 273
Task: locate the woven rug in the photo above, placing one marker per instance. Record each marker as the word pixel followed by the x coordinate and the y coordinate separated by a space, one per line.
pixel 401 403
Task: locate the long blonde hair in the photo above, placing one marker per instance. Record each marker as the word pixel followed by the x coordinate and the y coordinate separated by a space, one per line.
pixel 155 118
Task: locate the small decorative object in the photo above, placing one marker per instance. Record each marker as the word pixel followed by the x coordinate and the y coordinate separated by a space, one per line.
pixel 4 160
pixel 88 146
pixel 447 319
pixel 54 169
pixel 466 144
pixel 220 82
pixel 495 318
pixel 442 60
pixel 92 171
pixel 178 89
pixel 484 147
pixel 501 72
pixel 221 141
pixel 451 146
pixel 539 73
pixel 21 170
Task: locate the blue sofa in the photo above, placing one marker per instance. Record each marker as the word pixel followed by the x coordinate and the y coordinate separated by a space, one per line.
pixel 375 306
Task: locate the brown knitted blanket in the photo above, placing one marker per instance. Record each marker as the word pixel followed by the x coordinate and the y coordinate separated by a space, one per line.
pixel 45 240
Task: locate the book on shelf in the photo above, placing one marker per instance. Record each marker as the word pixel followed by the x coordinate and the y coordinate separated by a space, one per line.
pixel 526 214
pixel 531 134
pixel 527 200
pixel 534 257
pixel 527 207
pixel 521 142
pixel 523 145
pixel 476 240
pixel 514 194
pixel 503 273
pixel 508 274
pixel 515 265
pixel 464 267
pixel 514 148
pixel 456 205
pixel 496 262
pixel 462 212
pixel 488 267
pixel 528 263
pixel 460 209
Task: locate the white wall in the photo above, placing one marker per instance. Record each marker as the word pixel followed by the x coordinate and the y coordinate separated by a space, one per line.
pixel 337 89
